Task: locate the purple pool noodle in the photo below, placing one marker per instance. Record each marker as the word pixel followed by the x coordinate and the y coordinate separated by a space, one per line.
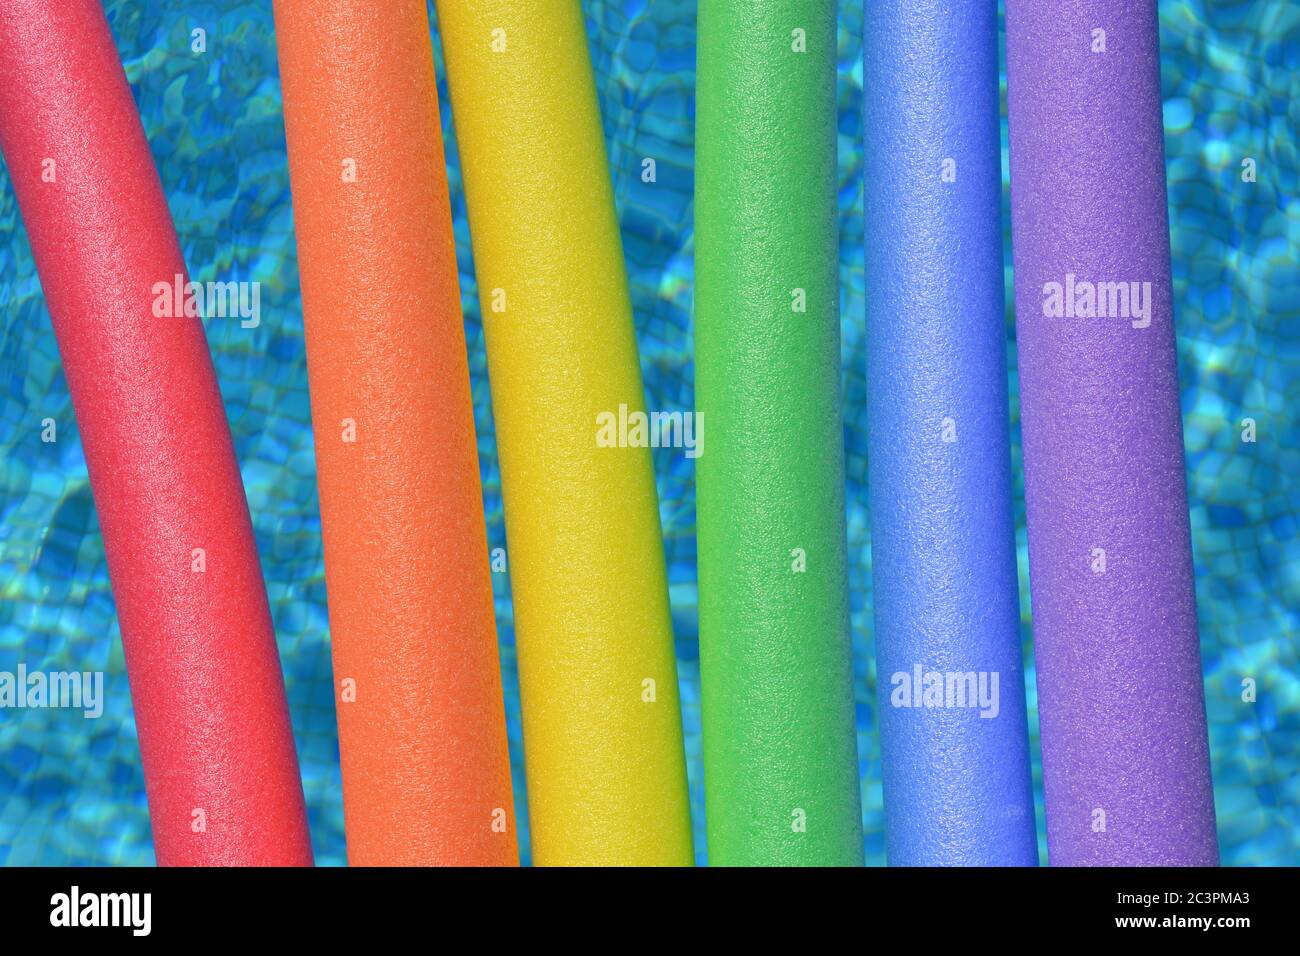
pixel 1125 758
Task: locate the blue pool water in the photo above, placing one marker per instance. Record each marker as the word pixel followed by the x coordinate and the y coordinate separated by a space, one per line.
pixel 71 790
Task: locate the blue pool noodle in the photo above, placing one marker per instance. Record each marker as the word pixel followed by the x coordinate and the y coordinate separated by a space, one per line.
pixel 956 785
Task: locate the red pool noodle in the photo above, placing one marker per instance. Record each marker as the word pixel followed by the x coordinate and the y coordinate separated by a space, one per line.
pixel 220 768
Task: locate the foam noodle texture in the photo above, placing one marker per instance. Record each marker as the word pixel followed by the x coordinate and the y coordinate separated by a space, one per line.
pixel 602 728
pixel 422 737
pixel 1125 757
pixel 218 752
pixel 956 776
pixel 780 751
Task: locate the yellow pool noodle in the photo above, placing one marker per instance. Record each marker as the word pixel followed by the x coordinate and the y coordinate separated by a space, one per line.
pixel 598 679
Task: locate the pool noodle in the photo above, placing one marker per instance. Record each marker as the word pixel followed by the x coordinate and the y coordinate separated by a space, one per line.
pixel 422 736
pixel 780 748
pixel 957 788
pixel 1125 757
pixel 603 745
pixel 220 769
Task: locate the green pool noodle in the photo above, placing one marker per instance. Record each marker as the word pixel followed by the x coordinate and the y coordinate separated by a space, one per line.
pixel 780 750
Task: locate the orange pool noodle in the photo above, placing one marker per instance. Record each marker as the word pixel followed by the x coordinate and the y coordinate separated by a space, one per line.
pixel 426 772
